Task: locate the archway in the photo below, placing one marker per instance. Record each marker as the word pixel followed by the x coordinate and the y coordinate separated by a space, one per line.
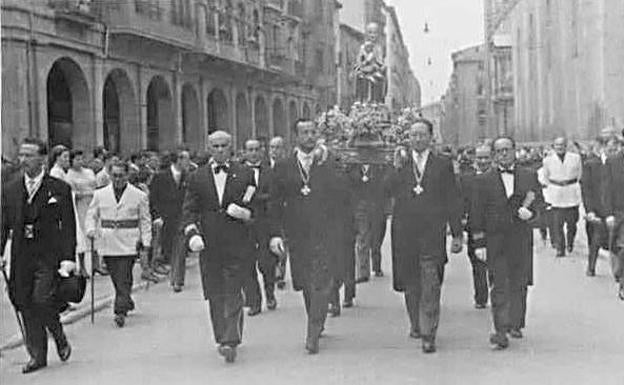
pixel 69 105
pixel 121 124
pixel 243 121
pixel 218 117
pixel 191 132
pixel 280 127
pixel 160 123
pixel 261 118
pixel 306 111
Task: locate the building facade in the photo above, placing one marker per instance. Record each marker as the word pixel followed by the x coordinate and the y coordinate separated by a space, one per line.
pixel 155 74
pixel 567 65
pixel 465 116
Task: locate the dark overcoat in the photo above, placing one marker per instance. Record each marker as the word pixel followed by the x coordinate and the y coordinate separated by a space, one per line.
pixel 419 221
pixel 229 242
pixel 54 229
pixel 308 222
pixel 166 199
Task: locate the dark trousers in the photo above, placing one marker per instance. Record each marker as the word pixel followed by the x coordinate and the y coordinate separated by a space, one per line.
pixel 598 236
pixel 349 292
pixel 316 299
pixel 120 269
pixel 479 275
pixel 568 216
pixel 266 263
pixel 222 281
pixel 509 284
pixel 178 261
pixel 42 314
pixel 423 299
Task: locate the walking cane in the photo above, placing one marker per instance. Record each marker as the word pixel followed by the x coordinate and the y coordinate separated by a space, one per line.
pixel 17 314
pixel 93 257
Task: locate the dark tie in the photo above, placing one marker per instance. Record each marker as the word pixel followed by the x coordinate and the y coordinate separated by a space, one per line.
pixel 221 167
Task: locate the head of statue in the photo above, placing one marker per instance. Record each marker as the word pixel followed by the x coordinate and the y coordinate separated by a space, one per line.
pixel 372 32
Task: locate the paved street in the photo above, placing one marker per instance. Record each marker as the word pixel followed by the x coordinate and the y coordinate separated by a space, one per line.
pixel 574 336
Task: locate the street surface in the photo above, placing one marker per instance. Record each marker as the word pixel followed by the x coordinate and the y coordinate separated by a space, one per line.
pixel 575 335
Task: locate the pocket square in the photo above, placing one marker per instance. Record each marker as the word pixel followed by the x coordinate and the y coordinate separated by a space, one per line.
pixel 52 200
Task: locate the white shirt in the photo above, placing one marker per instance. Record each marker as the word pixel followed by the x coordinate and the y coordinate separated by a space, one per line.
pixel 256 169
pixel 219 180
pixel 33 184
pixel 177 174
pixel 508 182
pixel 306 160
pixel 420 160
pixel 555 170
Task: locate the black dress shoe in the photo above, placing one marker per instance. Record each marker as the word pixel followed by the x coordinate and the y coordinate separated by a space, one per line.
pixel 621 292
pixel 254 311
pixel 101 271
pixel 333 310
pixel 362 280
pixel 271 304
pixel 379 274
pixel 499 341
pixel 480 306
pixel 120 320
pixel 312 346
pixel 428 346
pixel 281 285
pixel 228 352
pixel 590 273
pixel 415 334
pixel 560 253
pixel 177 288
pixel 347 303
pixel 64 351
pixel 515 333
pixel 160 269
pixel 32 366
pixel 570 248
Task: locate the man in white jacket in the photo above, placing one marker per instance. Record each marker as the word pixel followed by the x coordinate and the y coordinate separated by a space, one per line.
pixel 562 173
pixel 119 221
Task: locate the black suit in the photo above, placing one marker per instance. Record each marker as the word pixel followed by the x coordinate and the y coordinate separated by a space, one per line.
pixel 308 223
pixel 509 242
pixel 36 255
pixel 166 198
pixel 468 183
pixel 229 246
pixel 419 225
pixel 264 259
pixel 594 188
pixel 615 207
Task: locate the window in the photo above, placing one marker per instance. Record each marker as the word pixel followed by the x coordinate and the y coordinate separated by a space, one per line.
pixel 148 8
pixel 575 28
pixel 320 60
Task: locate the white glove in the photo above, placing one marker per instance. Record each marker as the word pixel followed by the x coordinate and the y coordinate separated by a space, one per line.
pixel 158 222
pixel 524 213
pixel 276 245
pixel 321 153
pixel 610 221
pixel 249 193
pixel 66 268
pixel 238 212
pixel 196 243
pixel 400 157
pixel 591 217
pixel 481 254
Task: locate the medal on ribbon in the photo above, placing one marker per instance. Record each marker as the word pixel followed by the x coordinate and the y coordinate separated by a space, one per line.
pixel 305 178
pixel 418 189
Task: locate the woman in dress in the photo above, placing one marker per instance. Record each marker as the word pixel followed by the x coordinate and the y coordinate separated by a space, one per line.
pixel 59 159
pixel 83 183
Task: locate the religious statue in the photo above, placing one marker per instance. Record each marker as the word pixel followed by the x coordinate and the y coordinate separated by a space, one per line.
pixel 370 69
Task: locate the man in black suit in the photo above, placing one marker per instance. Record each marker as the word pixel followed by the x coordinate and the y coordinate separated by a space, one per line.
pixel 166 196
pixel 217 205
pixel 264 260
pixel 427 199
pixel 482 163
pixel 277 152
pixel 615 213
pixel 38 209
pixel 594 189
pixel 303 208
pixel 508 197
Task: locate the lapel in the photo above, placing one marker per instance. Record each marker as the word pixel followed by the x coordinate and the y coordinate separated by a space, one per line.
pixel 499 186
pixel 123 195
pixel 40 198
pixel 429 164
pixel 170 180
pixel 19 204
pixel 211 185
pixel 228 181
pixel 516 186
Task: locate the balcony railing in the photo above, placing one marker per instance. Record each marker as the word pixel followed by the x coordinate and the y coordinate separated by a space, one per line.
pixel 77 8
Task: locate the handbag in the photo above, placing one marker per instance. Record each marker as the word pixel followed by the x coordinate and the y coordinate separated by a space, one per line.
pixel 72 288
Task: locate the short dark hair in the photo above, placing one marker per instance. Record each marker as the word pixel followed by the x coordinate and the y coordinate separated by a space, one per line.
pixel 43 149
pixel 73 154
pixel 299 121
pixel 57 151
pixel 426 122
pixel 121 164
pixel 177 152
pixel 504 137
pixel 100 151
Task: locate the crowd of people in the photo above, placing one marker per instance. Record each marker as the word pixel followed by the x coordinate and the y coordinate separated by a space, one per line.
pixel 251 212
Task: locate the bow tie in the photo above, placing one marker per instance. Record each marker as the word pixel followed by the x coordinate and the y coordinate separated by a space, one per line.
pixel 506 170
pixel 221 167
pixel 254 166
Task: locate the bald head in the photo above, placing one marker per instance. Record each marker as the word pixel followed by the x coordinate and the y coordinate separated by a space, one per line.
pixel 560 145
pixel 483 158
pixel 253 151
pixel 220 135
pixel 276 148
